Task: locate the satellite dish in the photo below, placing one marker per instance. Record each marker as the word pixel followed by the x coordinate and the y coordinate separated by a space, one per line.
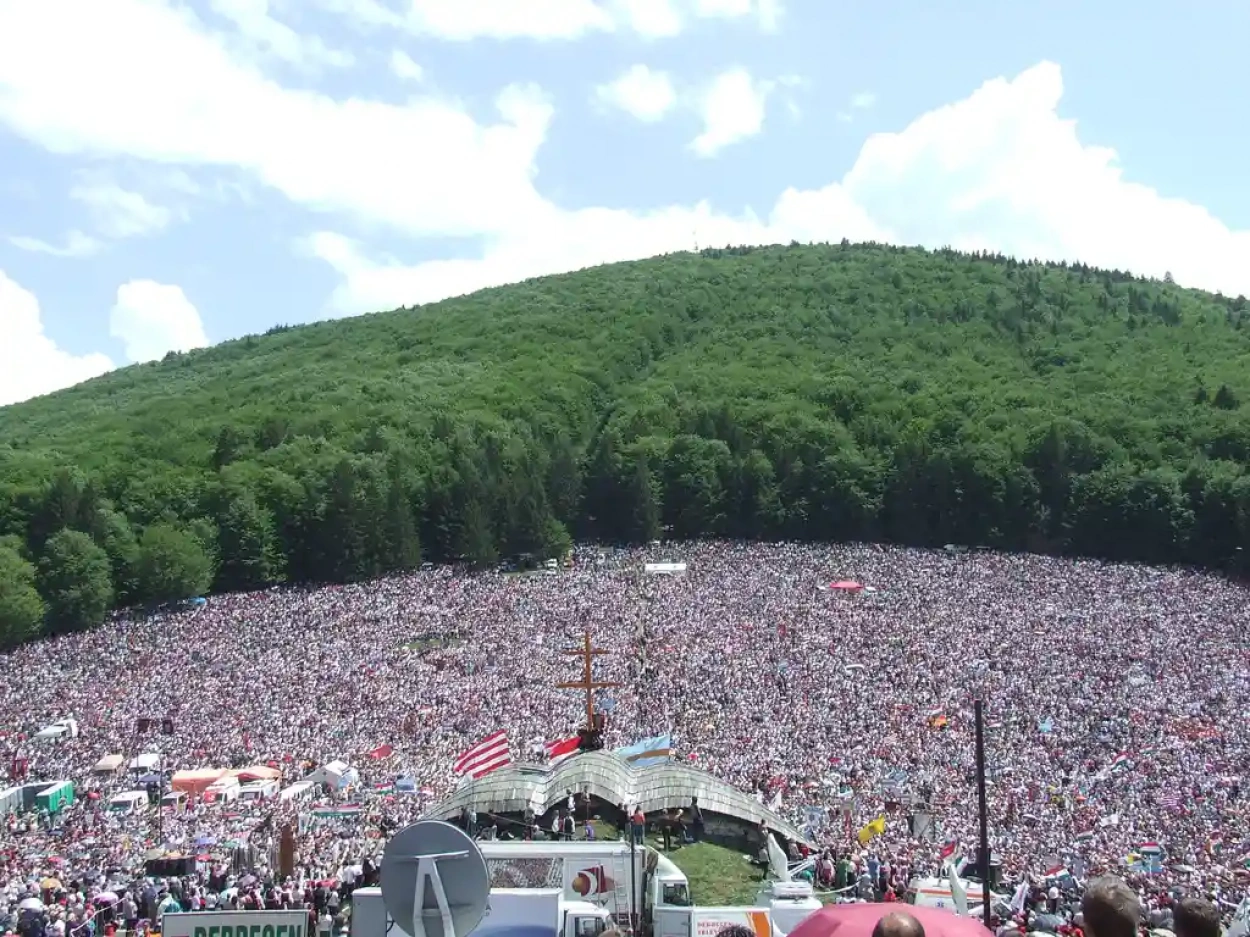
pixel 434 880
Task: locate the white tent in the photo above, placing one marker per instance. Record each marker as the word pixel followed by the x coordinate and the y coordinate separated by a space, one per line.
pixel 148 761
pixel 108 764
pixel 61 729
pixel 296 790
pixel 336 773
pixel 664 569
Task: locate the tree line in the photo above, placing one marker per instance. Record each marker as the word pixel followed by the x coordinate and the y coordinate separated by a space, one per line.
pixel 826 393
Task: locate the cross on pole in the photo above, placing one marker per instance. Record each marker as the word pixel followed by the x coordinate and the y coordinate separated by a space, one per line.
pixel 587 652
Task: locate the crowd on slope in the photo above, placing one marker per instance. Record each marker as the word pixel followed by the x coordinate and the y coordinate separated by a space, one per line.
pixel 1117 703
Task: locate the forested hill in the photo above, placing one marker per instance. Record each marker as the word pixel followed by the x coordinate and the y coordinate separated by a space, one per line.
pixel 831 392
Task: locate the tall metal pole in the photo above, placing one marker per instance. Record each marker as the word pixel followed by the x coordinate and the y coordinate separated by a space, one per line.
pixel 633 873
pixel 983 811
pixel 589 679
pixel 160 803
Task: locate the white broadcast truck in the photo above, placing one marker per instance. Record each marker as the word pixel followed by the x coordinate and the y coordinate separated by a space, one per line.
pixel 604 875
pixel 543 908
pixel 607 873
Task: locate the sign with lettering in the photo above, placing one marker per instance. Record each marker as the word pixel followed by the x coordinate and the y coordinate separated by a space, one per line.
pixel 236 924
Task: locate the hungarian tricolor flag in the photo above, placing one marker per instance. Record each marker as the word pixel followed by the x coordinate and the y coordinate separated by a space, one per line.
pixel 558 751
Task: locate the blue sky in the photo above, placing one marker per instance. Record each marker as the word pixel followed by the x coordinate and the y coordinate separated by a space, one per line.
pixel 175 174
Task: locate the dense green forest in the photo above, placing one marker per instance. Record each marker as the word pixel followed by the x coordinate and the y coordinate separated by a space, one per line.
pixel 840 392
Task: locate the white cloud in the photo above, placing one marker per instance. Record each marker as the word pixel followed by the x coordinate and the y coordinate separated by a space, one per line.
pixel 404 68
pixel 554 241
pixel 862 101
pixel 364 13
pixel 1000 169
pixel 263 34
pixel 76 244
pixel 646 94
pixel 766 12
pixel 31 363
pixel 152 319
pixel 119 213
pixel 358 156
pixel 732 109
pixel 651 19
pixel 506 19
pixel 116 213
pixel 769 12
pixel 459 21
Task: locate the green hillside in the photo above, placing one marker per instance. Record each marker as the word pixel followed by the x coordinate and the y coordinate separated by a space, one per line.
pixel 831 392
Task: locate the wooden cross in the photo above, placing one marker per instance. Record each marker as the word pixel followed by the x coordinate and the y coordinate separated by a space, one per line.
pixel 587 653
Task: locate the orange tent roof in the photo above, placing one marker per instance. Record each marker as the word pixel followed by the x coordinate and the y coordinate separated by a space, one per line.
pixel 258 773
pixel 196 781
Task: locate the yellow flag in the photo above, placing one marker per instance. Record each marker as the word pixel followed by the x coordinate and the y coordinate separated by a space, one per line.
pixel 874 828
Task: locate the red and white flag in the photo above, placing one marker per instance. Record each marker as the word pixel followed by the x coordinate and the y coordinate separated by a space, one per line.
pixel 484 757
pixel 558 751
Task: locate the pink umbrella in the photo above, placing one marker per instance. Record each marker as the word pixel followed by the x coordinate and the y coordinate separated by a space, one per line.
pixel 846 585
pixel 858 920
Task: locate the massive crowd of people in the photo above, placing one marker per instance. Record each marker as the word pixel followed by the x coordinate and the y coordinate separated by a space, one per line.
pixel 1117 706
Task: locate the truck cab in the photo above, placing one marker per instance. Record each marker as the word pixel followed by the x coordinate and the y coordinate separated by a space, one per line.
pixel 546 909
pixel 935 892
pixel 584 919
pixel 128 802
pixel 665 885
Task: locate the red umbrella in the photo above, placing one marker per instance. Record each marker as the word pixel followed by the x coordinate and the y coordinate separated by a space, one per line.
pixel 846 585
pixel 858 920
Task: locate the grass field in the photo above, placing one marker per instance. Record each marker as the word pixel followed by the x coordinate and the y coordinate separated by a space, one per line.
pixel 718 876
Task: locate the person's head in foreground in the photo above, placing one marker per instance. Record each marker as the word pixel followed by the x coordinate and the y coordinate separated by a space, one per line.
pixel 735 930
pixel 1195 917
pixel 898 924
pixel 1110 908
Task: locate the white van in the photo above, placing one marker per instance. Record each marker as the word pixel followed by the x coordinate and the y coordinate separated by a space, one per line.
pixel 59 731
pixel 298 791
pixel 258 790
pixel 176 800
pixel 224 791
pixel 147 762
pixel 129 802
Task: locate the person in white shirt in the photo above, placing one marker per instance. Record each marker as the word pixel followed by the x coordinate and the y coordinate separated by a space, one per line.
pixel 347 879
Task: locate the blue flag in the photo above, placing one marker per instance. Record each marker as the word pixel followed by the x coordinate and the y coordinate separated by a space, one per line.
pixel 653 751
